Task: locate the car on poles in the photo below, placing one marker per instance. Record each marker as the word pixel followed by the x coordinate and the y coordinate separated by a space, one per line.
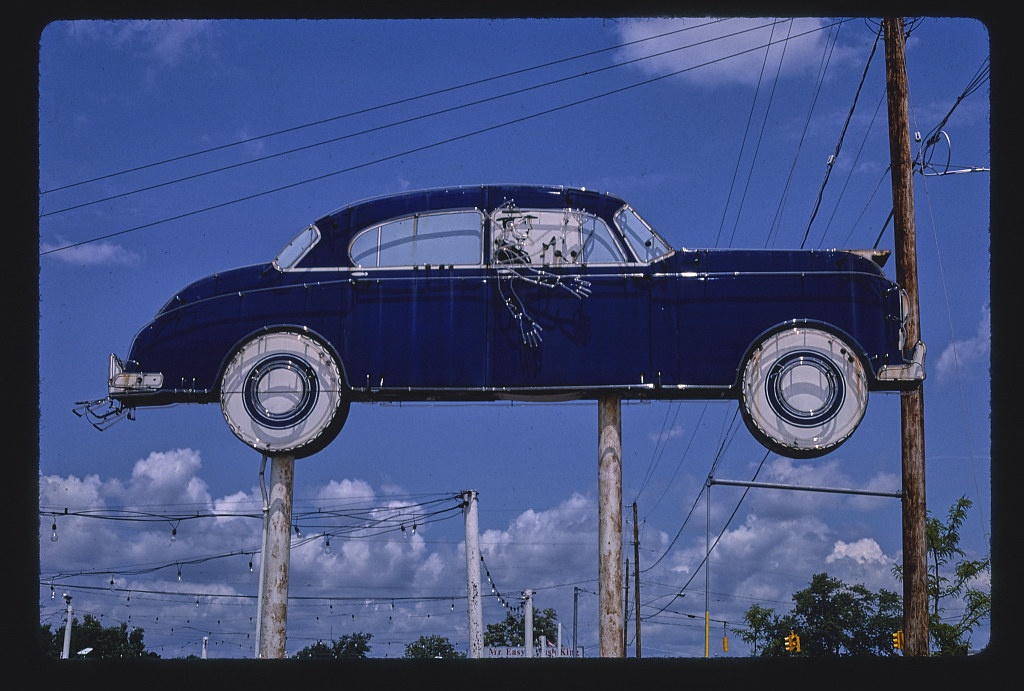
pixel 520 292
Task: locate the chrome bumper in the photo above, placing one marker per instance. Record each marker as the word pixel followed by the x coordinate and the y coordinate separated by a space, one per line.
pixel 909 372
pixel 121 382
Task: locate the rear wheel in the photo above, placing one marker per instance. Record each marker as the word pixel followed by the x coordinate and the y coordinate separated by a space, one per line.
pixel 282 394
pixel 804 391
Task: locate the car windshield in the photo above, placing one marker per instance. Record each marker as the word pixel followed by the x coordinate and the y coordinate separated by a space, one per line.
pixel 648 245
pixel 297 248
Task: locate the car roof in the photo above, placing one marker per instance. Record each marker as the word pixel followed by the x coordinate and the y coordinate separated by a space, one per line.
pixel 484 197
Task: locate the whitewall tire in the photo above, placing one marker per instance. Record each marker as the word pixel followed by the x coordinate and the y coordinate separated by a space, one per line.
pixel 282 394
pixel 803 392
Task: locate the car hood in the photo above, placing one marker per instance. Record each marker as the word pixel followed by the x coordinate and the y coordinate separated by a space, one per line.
pixel 223 283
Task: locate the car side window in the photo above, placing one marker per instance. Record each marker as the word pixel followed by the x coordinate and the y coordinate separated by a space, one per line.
pixel 544 237
pixel 454 237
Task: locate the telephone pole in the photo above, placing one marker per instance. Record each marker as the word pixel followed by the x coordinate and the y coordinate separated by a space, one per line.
pixel 915 544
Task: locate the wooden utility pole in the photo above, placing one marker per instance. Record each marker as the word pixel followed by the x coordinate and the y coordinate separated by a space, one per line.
pixel 273 603
pixel 915 542
pixel 609 526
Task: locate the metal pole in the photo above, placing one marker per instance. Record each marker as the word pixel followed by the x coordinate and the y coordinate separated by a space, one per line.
pixel 804 488
pixel 528 622
pixel 474 606
pixel 915 541
pixel 636 577
pixel 276 555
pixel 67 630
pixel 609 530
pixel 263 553
pixel 625 610
pixel 707 570
pixel 575 616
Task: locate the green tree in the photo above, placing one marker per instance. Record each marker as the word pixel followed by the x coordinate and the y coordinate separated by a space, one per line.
pixel 356 645
pixel 761 622
pixel 432 647
pixel 512 629
pixel 831 618
pixel 107 643
pixel 953 637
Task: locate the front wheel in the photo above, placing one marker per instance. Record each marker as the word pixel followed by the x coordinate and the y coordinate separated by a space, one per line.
pixel 803 392
pixel 282 393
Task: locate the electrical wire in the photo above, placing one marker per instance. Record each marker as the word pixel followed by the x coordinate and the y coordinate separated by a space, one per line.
pixel 425 147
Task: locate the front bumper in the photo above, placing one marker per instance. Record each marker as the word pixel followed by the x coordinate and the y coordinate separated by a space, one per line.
pixel 909 372
pixel 120 382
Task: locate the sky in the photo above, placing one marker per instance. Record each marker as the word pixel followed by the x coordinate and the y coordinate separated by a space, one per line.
pixel 170 150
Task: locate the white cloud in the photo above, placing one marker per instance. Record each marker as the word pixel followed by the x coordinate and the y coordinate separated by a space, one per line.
pixel 717 52
pixel 168 477
pixel 71 491
pixel 99 253
pixel 762 559
pixel 962 356
pixel 165 40
pixel 862 551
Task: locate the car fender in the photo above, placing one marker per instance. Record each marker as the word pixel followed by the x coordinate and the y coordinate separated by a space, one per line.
pixel 810 323
pixel 271 329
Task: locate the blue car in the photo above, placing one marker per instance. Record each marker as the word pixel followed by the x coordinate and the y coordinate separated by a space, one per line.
pixel 521 292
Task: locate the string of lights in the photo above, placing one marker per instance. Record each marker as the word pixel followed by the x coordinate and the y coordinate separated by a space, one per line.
pixel 358 523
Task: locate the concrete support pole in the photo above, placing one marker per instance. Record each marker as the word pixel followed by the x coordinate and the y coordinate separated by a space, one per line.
pixel 474 604
pixel 609 529
pixel 276 556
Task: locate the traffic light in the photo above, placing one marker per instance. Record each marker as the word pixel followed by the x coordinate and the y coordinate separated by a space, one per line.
pixel 897 640
pixel 792 643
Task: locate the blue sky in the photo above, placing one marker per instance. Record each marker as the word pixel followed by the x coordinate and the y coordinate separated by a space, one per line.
pixel 237 134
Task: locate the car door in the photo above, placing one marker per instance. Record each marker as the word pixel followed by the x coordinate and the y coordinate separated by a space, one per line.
pixel 417 309
pixel 570 314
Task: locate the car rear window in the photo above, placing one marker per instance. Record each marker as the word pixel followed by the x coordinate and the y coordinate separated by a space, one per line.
pixel 451 237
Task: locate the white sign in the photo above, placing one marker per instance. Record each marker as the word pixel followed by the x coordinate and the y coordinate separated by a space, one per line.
pixel 499 651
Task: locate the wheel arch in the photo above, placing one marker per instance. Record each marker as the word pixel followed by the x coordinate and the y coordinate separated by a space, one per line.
pixel 262 331
pixel 756 342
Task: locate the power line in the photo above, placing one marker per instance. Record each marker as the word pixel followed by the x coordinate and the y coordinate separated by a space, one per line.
pixel 371 109
pixel 436 144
